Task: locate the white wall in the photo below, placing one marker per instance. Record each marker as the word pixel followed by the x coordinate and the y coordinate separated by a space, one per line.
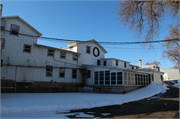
pixel 157 78
pixel 86 58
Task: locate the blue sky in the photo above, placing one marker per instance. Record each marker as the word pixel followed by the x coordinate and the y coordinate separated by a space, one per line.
pixel 86 20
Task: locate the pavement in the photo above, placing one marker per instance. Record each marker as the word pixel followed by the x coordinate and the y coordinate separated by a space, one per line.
pixel 160 106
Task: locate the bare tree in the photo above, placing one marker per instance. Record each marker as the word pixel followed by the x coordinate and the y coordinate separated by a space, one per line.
pixel 153 63
pixel 172 48
pixel 144 17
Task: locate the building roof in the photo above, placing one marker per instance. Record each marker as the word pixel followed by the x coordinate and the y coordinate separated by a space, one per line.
pixel 74 43
pixel 17 17
pixel 57 49
pixel 114 59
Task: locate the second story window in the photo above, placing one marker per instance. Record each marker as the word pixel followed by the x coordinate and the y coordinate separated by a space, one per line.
pixel 116 62
pixel 14 29
pixel 49 71
pixel 124 64
pixel 75 57
pixel 74 73
pixel 88 49
pixel 63 55
pixel 132 67
pixel 98 62
pixel 105 63
pixel 88 73
pixel 50 52
pixel 61 72
pixel 27 48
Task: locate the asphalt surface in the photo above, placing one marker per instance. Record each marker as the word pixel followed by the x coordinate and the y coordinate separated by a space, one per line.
pixel 160 106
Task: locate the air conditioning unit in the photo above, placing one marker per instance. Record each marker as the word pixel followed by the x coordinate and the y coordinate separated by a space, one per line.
pixel 3 23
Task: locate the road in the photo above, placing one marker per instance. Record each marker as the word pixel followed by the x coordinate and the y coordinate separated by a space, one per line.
pixel 160 106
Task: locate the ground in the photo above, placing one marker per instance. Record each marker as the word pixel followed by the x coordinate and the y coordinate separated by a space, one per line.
pixel 160 106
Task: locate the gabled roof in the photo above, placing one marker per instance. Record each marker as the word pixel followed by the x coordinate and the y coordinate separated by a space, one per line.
pixel 74 43
pixel 17 17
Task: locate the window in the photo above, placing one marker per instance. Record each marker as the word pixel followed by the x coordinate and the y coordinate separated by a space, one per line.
pixel 74 75
pixel 105 63
pixel 49 71
pixel 136 79
pixel 116 62
pixel 125 78
pixel 3 43
pixel 132 67
pixel 14 29
pixel 96 77
pixel 88 73
pixel 119 77
pixel 61 72
pixel 63 55
pixel 113 78
pixel 98 62
pixel 107 77
pixel 101 81
pixel 27 48
pixel 88 49
pixel 50 52
pixel 124 64
pixel 75 57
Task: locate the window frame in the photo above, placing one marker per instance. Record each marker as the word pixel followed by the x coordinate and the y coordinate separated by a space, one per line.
pixel 48 52
pixel 26 48
pixel 98 62
pixel 88 73
pixel 88 51
pixel 74 59
pixel 125 64
pixel 105 63
pixel 51 70
pixel 62 56
pixel 11 29
pixel 74 73
pixel 62 72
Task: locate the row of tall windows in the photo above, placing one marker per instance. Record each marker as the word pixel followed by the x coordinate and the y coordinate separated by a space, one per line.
pixel 49 72
pixel 131 78
pixel 108 78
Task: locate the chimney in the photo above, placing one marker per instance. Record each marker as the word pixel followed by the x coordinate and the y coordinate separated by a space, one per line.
pixel 1 6
pixel 140 63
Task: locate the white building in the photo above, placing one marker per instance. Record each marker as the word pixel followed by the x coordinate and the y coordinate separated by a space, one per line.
pixel 171 74
pixel 31 67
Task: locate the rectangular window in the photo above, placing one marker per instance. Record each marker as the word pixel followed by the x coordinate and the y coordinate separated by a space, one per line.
pixel 3 43
pixel 14 29
pixel 139 79
pixel 136 79
pixel 125 78
pixel 105 63
pixel 96 78
pixel 88 73
pixel 74 73
pixel 27 48
pixel 124 64
pixel 98 62
pixel 50 52
pixel 49 71
pixel 119 77
pixel 116 62
pixel 63 55
pixel 129 78
pixel 132 67
pixel 75 57
pixel 61 72
pixel 101 81
pixel 113 78
pixel 88 49
pixel 107 77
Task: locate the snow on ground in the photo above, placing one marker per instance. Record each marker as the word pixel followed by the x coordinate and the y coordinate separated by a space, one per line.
pixel 46 105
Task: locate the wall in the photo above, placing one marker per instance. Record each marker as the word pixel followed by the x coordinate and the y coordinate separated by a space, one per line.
pixel 86 58
pixel 120 64
pixel 171 74
pixel 157 78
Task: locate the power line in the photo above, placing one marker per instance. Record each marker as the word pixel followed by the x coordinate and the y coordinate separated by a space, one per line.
pixel 102 43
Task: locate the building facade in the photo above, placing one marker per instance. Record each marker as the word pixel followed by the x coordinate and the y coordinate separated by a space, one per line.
pixel 171 74
pixel 31 67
